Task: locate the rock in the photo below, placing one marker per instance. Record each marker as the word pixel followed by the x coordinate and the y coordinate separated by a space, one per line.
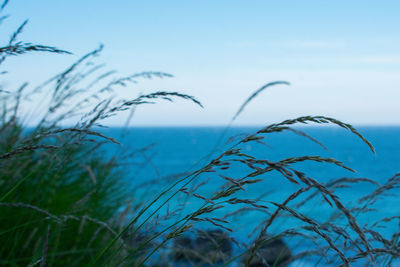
pixel 209 247
pixel 215 245
pixel 137 240
pixel 183 249
pixel 274 252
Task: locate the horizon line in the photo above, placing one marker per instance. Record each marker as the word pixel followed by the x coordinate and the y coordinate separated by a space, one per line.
pixel 241 126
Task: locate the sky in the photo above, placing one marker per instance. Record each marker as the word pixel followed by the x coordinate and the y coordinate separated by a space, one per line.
pixel 342 58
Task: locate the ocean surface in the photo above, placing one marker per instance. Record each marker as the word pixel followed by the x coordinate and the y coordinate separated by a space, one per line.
pixel 156 157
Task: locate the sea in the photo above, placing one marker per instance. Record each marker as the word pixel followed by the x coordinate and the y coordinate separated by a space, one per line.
pixel 154 158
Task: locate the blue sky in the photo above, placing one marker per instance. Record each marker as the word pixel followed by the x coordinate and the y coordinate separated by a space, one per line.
pixel 341 57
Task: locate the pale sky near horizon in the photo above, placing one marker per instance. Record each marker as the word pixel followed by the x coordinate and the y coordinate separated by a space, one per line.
pixel 342 58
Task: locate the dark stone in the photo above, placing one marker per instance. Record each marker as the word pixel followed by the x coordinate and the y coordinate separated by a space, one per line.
pixel 209 247
pixel 182 250
pixel 215 245
pixel 137 239
pixel 273 252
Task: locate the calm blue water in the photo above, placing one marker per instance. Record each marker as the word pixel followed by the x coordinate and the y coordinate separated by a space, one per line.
pixel 176 148
pixel 159 154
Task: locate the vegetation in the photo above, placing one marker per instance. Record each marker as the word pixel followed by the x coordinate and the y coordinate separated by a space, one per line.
pixel 64 204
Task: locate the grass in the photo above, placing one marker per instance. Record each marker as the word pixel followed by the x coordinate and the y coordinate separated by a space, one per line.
pixel 62 203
